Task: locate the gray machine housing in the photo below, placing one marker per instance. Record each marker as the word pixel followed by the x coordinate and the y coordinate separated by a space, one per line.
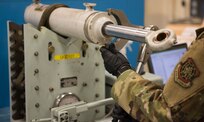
pixel 55 65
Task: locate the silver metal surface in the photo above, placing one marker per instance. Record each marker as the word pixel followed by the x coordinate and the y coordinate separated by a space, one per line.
pixel 72 111
pixel 70 98
pixel 157 40
pixel 131 33
pixel 143 56
pixel 95 104
pixel 139 66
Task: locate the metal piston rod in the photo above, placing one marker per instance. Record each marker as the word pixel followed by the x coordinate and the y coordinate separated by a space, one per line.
pixel 157 40
pixel 131 33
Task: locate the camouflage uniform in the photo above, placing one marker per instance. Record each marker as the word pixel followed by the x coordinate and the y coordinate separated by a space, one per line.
pixel 181 99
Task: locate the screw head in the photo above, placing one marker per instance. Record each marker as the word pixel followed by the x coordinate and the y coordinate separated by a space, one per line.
pixel 36 71
pixel 97 111
pixel 36 53
pixel 96 64
pixel 37 88
pixel 96 80
pixel 37 105
pixel 51 89
pixel 96 48
pixel 35 36
pixel 96 95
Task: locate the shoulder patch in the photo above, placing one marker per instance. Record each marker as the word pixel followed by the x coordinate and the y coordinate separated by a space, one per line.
pixel 186 72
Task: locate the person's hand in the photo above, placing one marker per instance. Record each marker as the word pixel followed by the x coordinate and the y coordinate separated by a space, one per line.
pixel 115 63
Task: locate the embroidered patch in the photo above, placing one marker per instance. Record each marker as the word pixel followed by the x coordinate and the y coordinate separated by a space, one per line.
pixel 186 72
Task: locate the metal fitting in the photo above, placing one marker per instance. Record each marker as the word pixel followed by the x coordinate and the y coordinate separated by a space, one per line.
pixel 96 80
pixel 36 53
pixel 36 71
pixel 97 111
pixel 97 95
pixel 37 88
pixel 96 64
pixel 51 89
pixel 96 48
pixel 35 36
pixel 37 105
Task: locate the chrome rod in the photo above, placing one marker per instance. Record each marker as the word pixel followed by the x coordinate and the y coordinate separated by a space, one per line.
pixel 130 33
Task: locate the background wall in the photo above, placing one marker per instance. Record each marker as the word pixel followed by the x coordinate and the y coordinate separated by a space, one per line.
pixel 14 9
pixel 161 12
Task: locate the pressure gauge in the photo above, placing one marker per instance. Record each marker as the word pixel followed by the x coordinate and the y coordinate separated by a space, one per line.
pixel 65 99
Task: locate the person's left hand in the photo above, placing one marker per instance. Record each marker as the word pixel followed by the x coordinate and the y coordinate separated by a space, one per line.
pixel 115 63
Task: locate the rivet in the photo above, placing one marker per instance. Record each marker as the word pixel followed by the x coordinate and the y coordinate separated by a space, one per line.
pixel 96 80
pixel 36 71
pixel 96 64
pixel 37 88
pixel 96 48
pixel 35 36
pixel 37 105
pixel 36 53
pixel 51 89
pixel 96 95
pixel 97 111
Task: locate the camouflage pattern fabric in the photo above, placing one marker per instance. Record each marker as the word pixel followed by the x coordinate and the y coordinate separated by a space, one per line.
pixel 141 98
pixel 181 100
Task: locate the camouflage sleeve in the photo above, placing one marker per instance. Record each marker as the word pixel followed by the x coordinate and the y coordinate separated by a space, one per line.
pixel 141 98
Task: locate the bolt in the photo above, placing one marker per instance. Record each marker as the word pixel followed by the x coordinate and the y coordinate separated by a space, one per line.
pixel 96 48
pixel 35 36
pixel 37 88
pixel 96 64
pixel 36 53
pixel 84 84
pixel 51 89
pixel 96 80
pixel 96 95
pixel 37 105
pixel 36 71
pixel 97 111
